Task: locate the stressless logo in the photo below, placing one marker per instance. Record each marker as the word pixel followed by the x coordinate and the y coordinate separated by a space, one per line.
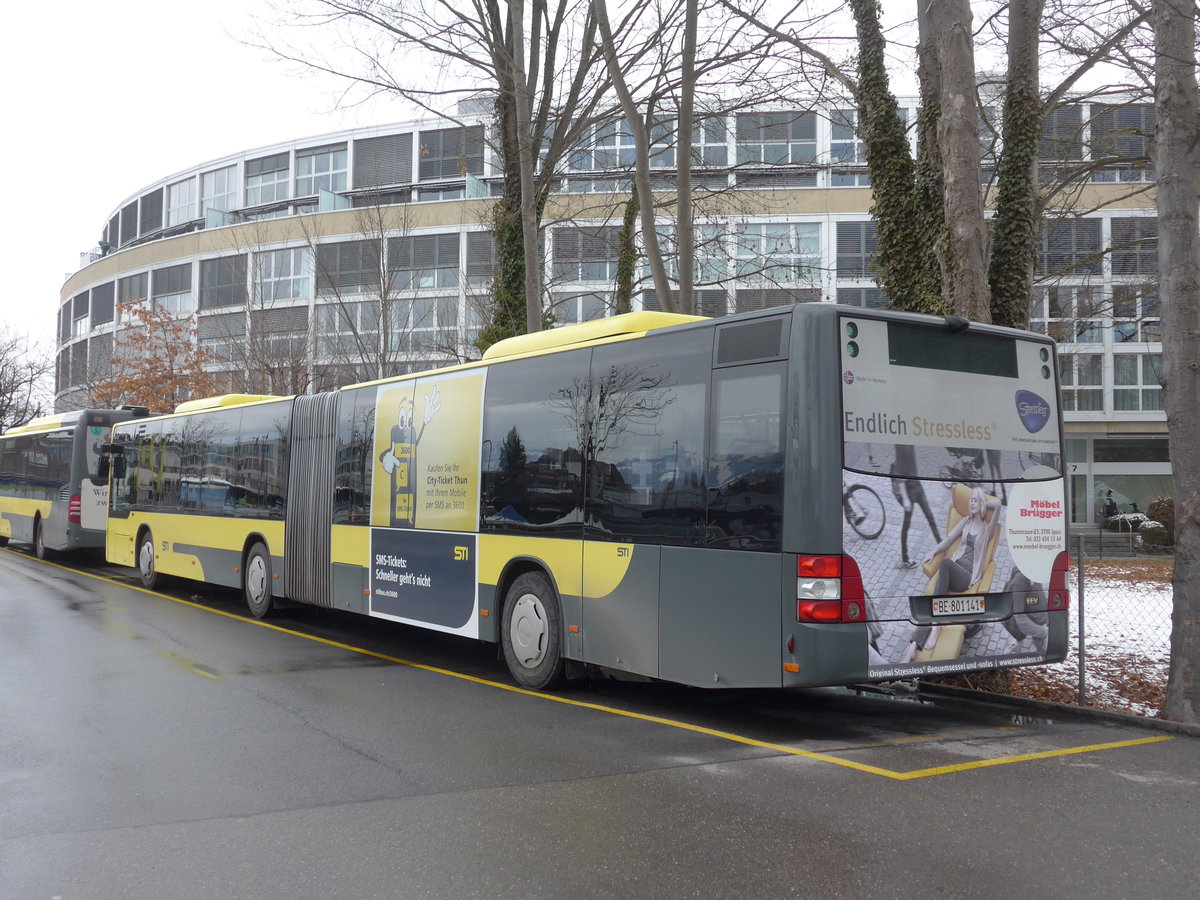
pixel 1033 410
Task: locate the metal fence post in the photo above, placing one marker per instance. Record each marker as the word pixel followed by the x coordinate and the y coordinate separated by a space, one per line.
pixel 1082 642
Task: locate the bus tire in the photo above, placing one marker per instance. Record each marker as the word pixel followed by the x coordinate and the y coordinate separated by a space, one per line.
pixel 147 571
pixel 39 541
pixel 3 542
pixel 256 581
pixel 531 632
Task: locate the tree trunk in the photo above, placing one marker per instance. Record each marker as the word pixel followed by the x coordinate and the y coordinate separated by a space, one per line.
pixel 641 141
pixel 964 269
pixel 1177 102
pixel 906 224
pixel 525 153
pixel 1018 212
pixel 684 231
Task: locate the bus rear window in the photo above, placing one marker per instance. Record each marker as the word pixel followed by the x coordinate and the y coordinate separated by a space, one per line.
pixel 925 347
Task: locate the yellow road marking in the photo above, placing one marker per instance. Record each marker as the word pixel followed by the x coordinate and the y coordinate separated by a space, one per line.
pixel 657 720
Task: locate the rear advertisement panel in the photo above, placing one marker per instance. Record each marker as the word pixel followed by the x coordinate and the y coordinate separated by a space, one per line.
pixel 952 493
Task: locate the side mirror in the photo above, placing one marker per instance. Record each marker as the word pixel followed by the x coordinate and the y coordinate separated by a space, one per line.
pixel 112 460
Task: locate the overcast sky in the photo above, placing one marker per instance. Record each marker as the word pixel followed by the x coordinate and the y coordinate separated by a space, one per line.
pixel 102 99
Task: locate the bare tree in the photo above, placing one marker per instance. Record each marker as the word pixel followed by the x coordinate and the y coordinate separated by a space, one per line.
pixel 1177 99
pixel 25 370
pixel 535 64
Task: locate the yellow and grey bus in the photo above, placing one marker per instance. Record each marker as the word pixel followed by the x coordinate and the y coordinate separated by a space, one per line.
pixel 807 495
pixel 51 494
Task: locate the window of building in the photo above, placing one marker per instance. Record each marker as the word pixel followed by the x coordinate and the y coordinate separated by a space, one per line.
pixel 1121 139
pixel 710 255
pixel 151 212
pixel 223 281
pixel 129 223
pixel 1125 450
pixel 218 189
pixel 1137 381
pixel 347 330
pixel 585 254
pixel 383 161
pixel 1082 381
pixel 711 302
pixel 778 138
pixel 751 299
pixel 871 298
pixel 348 267
pixel 181 202
pixel 133 288
pixel 283 332
pixel 423 261
pixel 102 304
pixel 1071 314
pixel 171 289
pixel 1135 313
pixel 267 179
pixel 1070 247
pixel 856 243
pixel 580 307
pixel 778 252
pixel 710 142
pixel 321 169
pixel 1062 134
pixel 481 258
pixel 451 153
pixel 845 149
pixel 1135 245
pixel 282 274
pixel 80 323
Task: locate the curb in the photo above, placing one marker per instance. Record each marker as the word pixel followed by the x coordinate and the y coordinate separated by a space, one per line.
pixel 1058 710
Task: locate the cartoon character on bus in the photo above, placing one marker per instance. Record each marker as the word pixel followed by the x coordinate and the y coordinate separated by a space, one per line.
pixel 399 459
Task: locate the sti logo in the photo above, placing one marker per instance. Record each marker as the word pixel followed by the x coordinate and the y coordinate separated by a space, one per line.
pixel 1033 410
pixel 848 377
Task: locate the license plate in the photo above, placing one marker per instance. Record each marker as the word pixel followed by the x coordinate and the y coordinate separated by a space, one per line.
pixel 957 606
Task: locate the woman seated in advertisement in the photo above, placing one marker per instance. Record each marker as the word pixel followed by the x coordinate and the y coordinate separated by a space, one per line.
pixel 960 570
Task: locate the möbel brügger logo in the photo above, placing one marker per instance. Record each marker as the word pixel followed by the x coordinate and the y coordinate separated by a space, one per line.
pixel 1033 410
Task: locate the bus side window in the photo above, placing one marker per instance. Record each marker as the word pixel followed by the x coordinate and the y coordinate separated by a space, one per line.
pixel 745 479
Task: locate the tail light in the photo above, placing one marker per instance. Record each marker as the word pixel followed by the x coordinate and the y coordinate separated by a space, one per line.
pixel 1060 597
pixel 73 511
pixel 829 589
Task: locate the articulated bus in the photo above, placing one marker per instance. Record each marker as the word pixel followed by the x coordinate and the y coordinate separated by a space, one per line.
pixel 51 493
pixel 809 495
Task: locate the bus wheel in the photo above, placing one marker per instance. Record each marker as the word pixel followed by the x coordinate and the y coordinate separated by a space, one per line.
pixel 145 561
pixel 3 542
pixel 531 632
pixel 256 581
pixel 39 541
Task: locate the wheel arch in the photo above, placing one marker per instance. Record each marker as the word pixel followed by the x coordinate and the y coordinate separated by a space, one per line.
pixel 514 569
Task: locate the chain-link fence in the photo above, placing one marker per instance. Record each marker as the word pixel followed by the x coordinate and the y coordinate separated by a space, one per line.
pixel 1120 636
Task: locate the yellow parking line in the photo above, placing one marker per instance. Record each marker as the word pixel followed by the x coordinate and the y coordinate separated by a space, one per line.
pixel 657 720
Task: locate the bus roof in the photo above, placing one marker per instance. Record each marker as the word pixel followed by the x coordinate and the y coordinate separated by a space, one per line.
pixel 71 419
pixel 223 400
pixel 586 332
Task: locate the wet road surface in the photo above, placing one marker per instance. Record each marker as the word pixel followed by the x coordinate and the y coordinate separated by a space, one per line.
pixel 151 746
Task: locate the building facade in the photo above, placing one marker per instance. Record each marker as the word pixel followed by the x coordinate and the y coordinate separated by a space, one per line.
pixel 366 253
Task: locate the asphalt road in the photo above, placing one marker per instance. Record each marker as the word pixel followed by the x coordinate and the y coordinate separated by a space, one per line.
pixel 155 747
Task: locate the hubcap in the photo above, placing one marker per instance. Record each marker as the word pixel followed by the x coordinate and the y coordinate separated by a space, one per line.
pixel 146 558
pixel 528 631
pixel 256 579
